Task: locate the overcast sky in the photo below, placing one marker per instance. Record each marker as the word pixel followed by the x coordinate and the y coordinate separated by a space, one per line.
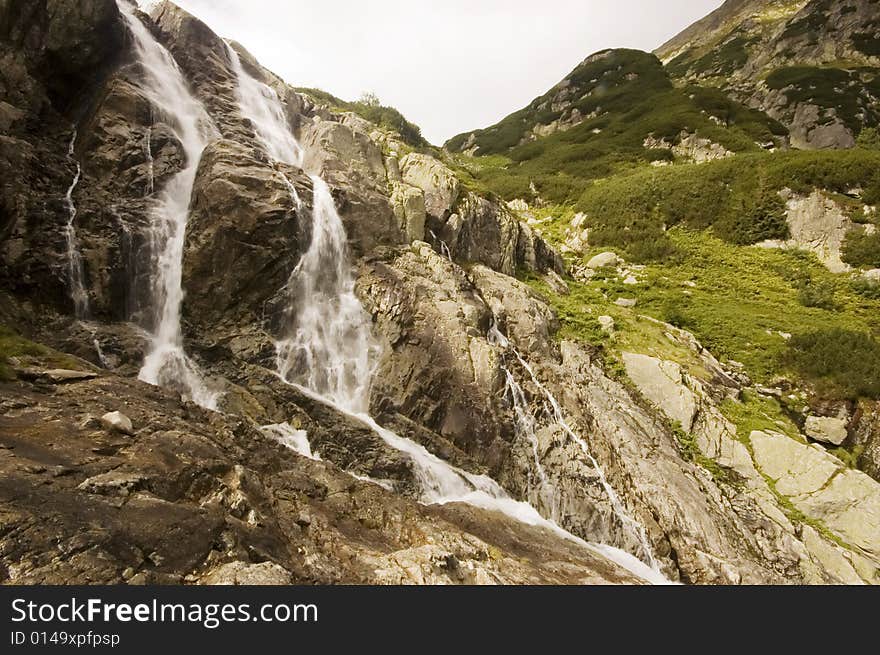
pixel 449 65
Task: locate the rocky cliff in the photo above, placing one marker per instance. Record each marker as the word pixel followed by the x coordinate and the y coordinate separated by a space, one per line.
pixel 107 479
pixel 811 65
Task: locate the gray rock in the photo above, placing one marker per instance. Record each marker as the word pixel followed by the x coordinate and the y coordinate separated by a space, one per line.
pixel 607 324
pixel 827 429
pixel 661 382
pixel 244 573
pixel 439 183
pixel 117 422
pixel 603 260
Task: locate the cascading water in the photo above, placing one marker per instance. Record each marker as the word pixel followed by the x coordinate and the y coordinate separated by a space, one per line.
pixel 329 347
pixel 329 352
pixel 286 435
pixel 444 249
pixel 260 104
pixel 527 426
pixel 163 84
pixel 75 271
pixel 148 154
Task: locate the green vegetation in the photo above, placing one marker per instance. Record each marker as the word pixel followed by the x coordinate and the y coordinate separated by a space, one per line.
pixel 736 197
pixel 623 97
pixel 866 288
pixel 869 138
pixel 850 458
pixel 369 108
pixel 861 249
pixel 842 90
pixel 12 345
pixel 740 302
pixel 838 361
pixel 755 413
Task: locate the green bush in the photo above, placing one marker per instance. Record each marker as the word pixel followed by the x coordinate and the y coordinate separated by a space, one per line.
pixel 757 218
pixel 869 138
pixel 867 288
pixel 369 108
pixel 737 197
pixel 861 249
pixel 820 295
pixel 838 361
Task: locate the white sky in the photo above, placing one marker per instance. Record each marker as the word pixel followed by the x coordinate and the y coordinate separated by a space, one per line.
pixel 449 65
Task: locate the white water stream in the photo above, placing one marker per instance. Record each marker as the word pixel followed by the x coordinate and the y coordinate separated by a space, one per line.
pixel 75 272
pixel 444 248
pixel 75 269
pixel 527 425
pixel 329 353
pixel 164 86
pixel 148 154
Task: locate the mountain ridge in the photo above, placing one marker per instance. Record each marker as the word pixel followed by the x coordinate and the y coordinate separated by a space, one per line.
pixel 620 365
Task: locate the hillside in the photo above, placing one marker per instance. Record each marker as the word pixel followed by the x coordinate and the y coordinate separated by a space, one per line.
pixel 616 110
pixel 814 66
pixel 255 334
pixel 708 213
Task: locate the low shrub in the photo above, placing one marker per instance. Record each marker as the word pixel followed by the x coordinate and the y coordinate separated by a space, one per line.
pixel 838 361
pixel 861 249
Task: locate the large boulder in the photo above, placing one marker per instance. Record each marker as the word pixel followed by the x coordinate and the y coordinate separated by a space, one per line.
pixel 342 153
pixel 408 203
pixel 820 225
pixel 245 234
pixel 844 501
pixel 437 181
pixel 827 429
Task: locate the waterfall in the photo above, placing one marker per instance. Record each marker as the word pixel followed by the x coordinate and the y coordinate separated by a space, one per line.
pixel 329 347
pixel 444 249
pixel 75 270
pixel 328 351
pixel 260 104
pixel 296 440
pixel 526 426
pixel 164 86
pixel 148 154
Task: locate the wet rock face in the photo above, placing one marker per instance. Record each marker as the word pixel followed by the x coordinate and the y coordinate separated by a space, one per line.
pixel 66 44
pixel 244 237
pixel 197 497
pixel 438 368
pixel 55 56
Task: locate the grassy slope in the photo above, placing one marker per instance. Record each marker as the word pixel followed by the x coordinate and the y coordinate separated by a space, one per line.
pixel 626 96
pixel 737 197
pixel 739 301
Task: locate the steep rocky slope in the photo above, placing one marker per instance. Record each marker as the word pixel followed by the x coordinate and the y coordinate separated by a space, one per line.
pixel 811 65
pixel 479 368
